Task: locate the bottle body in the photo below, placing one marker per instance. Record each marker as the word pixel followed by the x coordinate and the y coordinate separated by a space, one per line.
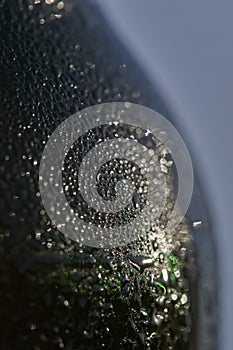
pixel 59 58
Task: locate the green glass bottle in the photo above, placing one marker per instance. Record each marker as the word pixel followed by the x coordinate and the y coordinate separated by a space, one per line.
pixel 58 57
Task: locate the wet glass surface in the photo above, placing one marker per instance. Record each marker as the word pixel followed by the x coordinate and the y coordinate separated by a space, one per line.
pixel 57 58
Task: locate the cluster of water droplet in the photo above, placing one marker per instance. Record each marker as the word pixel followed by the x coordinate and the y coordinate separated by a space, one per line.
pixel 57 293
